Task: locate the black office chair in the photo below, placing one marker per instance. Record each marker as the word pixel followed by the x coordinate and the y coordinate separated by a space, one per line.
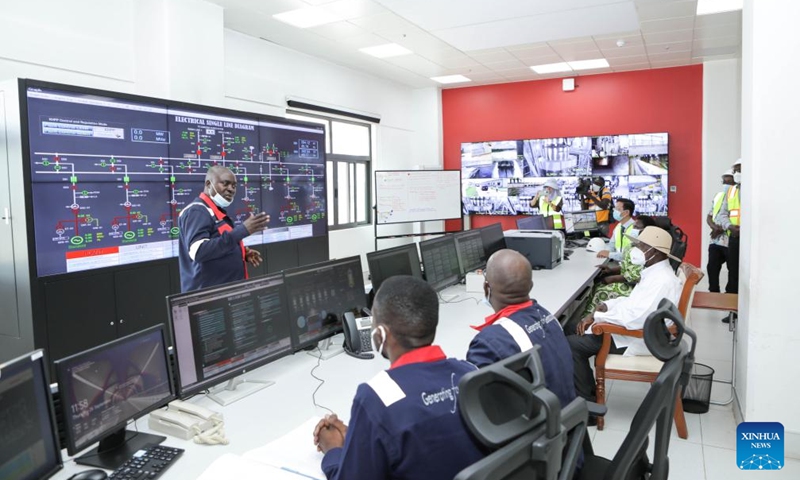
pixel 657 408
pixel 507 408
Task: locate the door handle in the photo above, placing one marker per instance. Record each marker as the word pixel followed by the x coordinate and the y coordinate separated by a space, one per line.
pixel 6 215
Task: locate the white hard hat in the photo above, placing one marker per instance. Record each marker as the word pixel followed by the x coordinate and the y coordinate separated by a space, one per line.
pixel 552 184
pixel 728 173
pixel 595 245
pixel 738 162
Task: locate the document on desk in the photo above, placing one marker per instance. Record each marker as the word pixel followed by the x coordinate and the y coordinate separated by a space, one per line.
pixel 230 465
pixel 294 452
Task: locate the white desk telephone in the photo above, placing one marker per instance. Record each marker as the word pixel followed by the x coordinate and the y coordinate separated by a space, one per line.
pixel 188 421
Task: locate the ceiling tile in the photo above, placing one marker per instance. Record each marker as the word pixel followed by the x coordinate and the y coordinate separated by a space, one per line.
pixel 347 9
pixel 668 37
pixel 439 56
pixel 716 51
pixel 457 62
pixel 660 48
pixel 522 78
pixel 672 56
pixel 624 51
pixel 717 42
pixel 500 56
pixel 318 2
pixel 500 66
pixel 611 42
pixel 418 65
pixel 361 41
pixel 634 60
pixel 338 30
pixel 717 19
pixel 573 48
pixel 636 66
pixel 383 22
pixel 541 60
pixel 270 8
pixel 671 63
pixel 576 56
pixel 518 72
pixel 718 31
pixel 660 10
pixel 416 40
pixel 668 25
pixel 482 77
pixel 540 50
pixel 467 70
pixel 527 46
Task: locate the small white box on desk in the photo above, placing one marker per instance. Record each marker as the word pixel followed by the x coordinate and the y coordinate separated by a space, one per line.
pixel 474 282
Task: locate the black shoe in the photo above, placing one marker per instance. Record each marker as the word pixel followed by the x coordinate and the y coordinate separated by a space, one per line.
pixel 592 422
pixel 726 319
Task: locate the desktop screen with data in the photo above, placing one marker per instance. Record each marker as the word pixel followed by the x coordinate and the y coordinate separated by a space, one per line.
pixel 469 246
pixel 219 332
pixel 319 294
pixel 440 259
pixel 28 436
pixel 384 264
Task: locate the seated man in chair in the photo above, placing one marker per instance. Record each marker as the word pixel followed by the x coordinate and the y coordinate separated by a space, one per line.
pixel 651 250
pixel 405 422
pixel 519 323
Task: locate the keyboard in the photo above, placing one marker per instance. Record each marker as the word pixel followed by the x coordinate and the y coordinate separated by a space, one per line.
pixel 148 463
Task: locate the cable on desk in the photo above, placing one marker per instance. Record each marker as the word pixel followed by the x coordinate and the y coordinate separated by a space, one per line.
pixel 320 380
pixel 442 300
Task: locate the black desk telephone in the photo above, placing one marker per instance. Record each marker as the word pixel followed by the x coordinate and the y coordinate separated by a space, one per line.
pixel 358 336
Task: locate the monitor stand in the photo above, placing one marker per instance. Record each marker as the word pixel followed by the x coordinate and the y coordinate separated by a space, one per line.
pixel 236 389
pixel 118 448
pixel 327 349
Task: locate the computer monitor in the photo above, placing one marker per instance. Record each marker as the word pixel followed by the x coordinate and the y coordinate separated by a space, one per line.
pixel 469 248
pixel 220 333
pixel 493 239
pixel 581 221
pixel 403 260
pixel 440 260
pixel 29 447
pixel 319 294
pixel 533 222
pixel 103 388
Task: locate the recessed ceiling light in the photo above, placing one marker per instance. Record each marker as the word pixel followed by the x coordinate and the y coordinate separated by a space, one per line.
pixel 707 7
pixel 307 17
pixel 589 64
pixel 451 79
pixel 386 50
pixel 551 68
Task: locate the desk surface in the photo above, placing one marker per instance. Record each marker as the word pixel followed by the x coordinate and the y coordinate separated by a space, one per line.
pixel 728 302
pixel 271 413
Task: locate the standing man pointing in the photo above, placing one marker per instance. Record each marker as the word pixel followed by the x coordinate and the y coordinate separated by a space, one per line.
pixel 212 251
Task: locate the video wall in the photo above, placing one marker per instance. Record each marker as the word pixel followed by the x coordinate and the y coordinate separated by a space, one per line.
pixel 501 178
pixel 110 176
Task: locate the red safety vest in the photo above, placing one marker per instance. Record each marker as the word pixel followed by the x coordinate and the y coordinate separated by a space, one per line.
pixel 223 226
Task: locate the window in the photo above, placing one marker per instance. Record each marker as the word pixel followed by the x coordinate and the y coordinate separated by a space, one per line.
pixel 348 169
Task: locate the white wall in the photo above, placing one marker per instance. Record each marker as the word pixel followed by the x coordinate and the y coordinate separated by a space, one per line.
pixel 722 124
pixel 152 47
pixel 769 360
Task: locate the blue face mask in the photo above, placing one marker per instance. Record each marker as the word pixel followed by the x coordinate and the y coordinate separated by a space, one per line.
pixel 617 215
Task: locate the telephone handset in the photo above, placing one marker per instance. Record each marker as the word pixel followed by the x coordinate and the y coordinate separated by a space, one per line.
pixel 189 421
pixel 358 336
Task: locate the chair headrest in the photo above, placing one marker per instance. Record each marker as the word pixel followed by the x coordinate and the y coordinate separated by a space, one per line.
pixel 657 336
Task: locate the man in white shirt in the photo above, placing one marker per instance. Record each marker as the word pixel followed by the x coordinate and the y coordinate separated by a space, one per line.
pixel 658 281
pixel 623 215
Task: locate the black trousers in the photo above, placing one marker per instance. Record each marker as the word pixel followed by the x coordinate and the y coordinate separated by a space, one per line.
pixel 717 256
pixel 583 349
pixel 733 265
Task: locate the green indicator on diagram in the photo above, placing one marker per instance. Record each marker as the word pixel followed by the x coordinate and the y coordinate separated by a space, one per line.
pixel 76 240
pixel 73 179
pixel 126 178
pixel 129 235
pixel 172 179
pixel 45 162
pixel 174 230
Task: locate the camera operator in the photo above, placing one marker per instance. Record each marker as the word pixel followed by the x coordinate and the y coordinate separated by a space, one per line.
pixel 598 197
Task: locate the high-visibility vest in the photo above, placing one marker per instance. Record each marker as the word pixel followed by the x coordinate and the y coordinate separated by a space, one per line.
pixel 733 204
pixel 544 209
pixel 602 214
pixel 621 240
pixel 717 205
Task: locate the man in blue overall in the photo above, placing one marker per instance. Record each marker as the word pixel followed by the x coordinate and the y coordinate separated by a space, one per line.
pixel 211 251
pixel 405 422
pixel 519 323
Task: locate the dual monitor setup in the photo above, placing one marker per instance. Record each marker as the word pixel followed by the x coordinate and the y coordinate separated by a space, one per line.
pixel 218 334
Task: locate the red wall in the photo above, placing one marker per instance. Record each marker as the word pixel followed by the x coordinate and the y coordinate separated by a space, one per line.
pixel 663 100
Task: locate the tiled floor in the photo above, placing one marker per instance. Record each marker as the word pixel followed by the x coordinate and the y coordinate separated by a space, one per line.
pixel 709 452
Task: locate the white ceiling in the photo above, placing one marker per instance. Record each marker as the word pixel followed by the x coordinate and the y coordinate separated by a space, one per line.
pixel 496 41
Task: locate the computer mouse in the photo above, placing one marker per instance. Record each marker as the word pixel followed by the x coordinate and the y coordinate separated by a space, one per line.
pixel 95 474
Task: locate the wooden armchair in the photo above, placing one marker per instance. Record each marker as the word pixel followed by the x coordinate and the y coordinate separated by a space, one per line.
pixel 641 368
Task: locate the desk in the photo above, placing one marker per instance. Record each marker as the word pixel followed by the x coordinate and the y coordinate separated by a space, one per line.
pixel 271 413
pixel 725 302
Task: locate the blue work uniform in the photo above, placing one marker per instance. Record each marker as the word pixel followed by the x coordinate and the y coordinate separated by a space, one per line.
pixel 211 251
pixel 405 423
pixel 518 328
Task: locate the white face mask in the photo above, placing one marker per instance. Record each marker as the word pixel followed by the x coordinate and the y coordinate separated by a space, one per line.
pixel 219 199
pixel 737 177
pixel 638 257
pixel 595 188
pixel 378 349
pixel 485 299
pixel 633 233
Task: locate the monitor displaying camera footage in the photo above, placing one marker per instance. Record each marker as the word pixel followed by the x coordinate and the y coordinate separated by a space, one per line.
pixel 503 177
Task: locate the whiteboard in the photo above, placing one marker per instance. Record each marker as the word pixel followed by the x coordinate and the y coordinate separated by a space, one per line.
pixel 417 195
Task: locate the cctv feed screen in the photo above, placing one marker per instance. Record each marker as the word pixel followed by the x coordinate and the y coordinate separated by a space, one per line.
pixel 220 329
pixel 319 295
pixel 111 176
pixel 502 177
pixel 104 388
pixel 28 448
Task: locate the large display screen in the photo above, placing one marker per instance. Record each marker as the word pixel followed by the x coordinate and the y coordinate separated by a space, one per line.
pixel 501 178
pixel 111 175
